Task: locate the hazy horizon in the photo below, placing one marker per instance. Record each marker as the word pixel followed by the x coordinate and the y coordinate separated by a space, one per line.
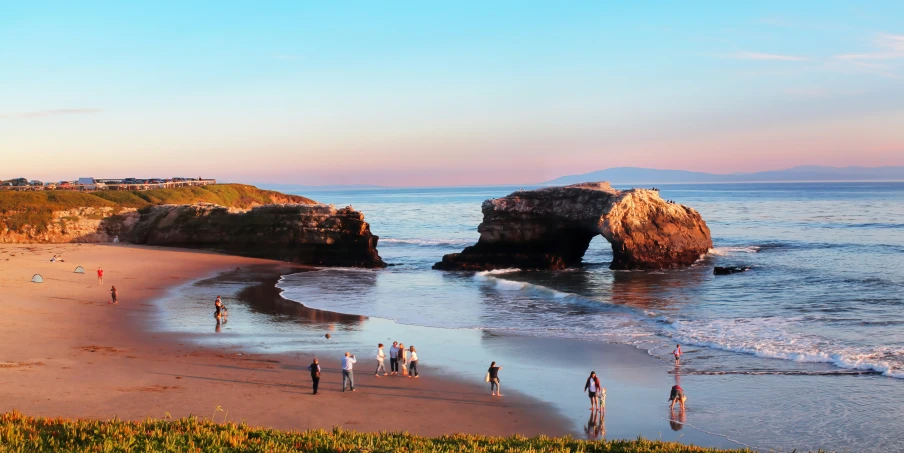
pixel 411 94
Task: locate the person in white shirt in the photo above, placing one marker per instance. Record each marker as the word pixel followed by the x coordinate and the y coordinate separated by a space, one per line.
pixel 394 358
pixel 677 353
pixel 380 357
pixel 412 362
pixel 347 374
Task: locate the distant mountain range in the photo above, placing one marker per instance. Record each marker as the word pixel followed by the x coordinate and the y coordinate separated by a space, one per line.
pixel 636 175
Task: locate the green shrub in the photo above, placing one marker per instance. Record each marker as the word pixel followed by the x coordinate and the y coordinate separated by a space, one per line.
pixel 21 433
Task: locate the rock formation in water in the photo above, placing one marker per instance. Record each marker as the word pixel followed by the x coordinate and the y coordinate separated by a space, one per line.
pixel 728 270
pixel 551 228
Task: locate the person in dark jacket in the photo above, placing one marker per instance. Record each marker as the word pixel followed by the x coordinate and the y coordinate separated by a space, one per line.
pixel 592 386
pixel 314 368
pixel 493 379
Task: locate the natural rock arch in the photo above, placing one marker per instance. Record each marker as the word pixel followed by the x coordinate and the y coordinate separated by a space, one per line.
pixel 551 228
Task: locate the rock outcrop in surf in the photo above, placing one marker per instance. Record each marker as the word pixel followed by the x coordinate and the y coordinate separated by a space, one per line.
pixel 551 228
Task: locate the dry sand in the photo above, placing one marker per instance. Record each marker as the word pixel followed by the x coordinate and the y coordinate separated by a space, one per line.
pixel 68 352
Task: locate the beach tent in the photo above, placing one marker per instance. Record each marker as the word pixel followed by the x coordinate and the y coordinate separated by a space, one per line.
pixel 37 279
pixel 79 270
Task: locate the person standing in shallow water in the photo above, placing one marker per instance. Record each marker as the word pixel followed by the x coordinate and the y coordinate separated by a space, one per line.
pixel 592 387
pixel 493 376
pixel 676 396
pixel 677 354
pixel 314 368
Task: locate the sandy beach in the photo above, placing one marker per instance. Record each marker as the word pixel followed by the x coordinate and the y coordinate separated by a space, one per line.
pixel 70 353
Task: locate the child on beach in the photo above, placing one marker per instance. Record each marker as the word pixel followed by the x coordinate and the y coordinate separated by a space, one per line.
pixel 380 357
pixel 592 386
pixel 493 379
pixel 113 295
pixel 677 353
pixel 412 362
pixel 100 276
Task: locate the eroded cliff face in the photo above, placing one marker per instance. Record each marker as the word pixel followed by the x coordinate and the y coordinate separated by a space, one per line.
pixel 318 234
pixel 551 228
pixel 312 234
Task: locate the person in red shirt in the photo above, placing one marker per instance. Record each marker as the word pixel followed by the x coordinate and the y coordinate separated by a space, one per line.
pixel 100 276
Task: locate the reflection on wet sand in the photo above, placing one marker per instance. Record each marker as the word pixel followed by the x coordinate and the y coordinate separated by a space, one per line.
pixel 677 421
pixel 264 297
pixel 596 426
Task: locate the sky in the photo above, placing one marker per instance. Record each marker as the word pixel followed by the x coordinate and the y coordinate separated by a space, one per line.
pixel 454 93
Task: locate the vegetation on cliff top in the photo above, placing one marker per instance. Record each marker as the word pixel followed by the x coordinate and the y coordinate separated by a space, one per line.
pixel 21 210
pixel 21 433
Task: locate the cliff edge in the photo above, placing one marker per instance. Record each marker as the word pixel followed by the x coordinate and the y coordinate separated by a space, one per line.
pixel 237 219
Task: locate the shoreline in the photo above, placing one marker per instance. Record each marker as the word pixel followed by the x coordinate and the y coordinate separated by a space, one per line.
pixel 84 358
pixel 637 382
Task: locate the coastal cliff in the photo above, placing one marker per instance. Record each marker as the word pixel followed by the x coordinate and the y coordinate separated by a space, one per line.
pixel 319 235
pixel 235 219
pixel 551 228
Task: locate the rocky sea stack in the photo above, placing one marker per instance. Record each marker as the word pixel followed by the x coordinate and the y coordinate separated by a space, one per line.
pixel 551 228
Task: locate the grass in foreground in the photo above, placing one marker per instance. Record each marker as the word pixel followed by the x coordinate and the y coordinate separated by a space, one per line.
pixel 19 433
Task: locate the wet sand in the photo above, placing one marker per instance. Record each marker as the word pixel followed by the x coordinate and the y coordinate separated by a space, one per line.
pixel 76 355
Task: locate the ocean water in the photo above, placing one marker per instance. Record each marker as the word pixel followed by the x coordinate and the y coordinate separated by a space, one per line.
pixel 824 295
pixel 804 351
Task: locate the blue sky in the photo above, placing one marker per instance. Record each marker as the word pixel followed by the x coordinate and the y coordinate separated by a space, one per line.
pixel 460 93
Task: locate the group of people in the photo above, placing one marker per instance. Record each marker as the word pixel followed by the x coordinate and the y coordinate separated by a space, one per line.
pixel 399 359
pixel 597 392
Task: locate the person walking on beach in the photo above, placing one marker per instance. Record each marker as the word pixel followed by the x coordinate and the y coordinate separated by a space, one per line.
pixel 314 368
pixel 380 357
pixel 348 375
pixel 394 358
pixel 493 379
pixel 677 353
pixel 113 295
pixel 403 359
pixel 592 386
pixel 676 396
pixel 100 276
pixel 412 362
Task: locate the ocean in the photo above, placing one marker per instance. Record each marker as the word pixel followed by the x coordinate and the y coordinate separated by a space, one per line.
pixel 804 350
pixel 824 295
